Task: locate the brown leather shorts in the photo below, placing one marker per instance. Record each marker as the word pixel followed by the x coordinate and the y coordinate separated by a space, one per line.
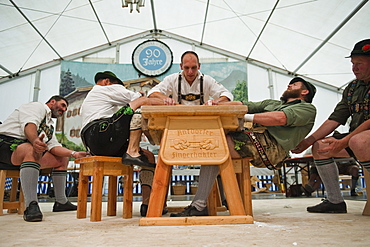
pixel 244 146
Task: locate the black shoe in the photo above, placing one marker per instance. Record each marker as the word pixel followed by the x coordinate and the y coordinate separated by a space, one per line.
pixel 328 207
pixel 354 193
pixel 190 211
pixel 141 160
pixel 144 210
pixel 68 206
pixel 32 212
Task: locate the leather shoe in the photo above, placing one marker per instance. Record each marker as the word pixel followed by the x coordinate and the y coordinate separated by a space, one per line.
pixel 354 193
pixel 32 212
pixel 191 211
pixel 328 207
pixel 141 160
pixel 144 210
pixel 68 206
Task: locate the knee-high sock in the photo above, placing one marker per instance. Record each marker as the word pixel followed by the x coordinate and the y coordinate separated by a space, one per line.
pixel 354 182
pixel 207 176
pixel 366 165
pixel 29 175
pixel 59 181
pixel 329 175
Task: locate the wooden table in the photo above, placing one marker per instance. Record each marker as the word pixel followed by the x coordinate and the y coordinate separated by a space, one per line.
pixel 298 165
pixel 193 135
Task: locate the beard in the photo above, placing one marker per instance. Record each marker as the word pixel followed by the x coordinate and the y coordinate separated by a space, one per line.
pixel 55 113
pixel 291 94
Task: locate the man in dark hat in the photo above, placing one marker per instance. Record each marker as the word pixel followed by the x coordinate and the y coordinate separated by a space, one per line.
pixel 107 118
pixel 279 125
pixel 107 74
pixel 111 126
pixel 354 104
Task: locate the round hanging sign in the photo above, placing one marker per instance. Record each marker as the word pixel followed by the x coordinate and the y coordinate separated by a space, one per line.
pixel 152 58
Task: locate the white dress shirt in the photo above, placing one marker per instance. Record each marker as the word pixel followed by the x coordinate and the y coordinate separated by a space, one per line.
pixel 211 88
pixel 104 101
pixel 33 112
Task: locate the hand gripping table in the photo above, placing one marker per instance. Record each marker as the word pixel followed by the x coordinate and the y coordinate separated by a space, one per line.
pixel 193 135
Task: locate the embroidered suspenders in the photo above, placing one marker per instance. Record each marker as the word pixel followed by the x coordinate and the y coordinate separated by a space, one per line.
pixel 48 130
pixel 260 150
pixel 190 96
pixel 358 107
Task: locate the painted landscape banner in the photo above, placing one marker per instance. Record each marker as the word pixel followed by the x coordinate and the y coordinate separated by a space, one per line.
pixel 77 79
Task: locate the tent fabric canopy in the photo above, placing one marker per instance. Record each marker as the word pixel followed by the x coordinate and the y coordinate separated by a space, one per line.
pixel 304 37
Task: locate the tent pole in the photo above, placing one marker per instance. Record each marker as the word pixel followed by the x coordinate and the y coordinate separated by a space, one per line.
pixel 271 84
pixel 118 47
pixel 36 88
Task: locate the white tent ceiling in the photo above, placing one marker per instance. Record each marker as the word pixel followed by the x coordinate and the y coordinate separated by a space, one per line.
pixel 304 37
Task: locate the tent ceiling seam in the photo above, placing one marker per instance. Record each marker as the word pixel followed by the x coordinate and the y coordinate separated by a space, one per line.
pixel 263 28
pixel 239 17
pixel 166 34
pixel 332 34
pixel 101 25
pixel 204 23
pixel 34 27
pixel 51 27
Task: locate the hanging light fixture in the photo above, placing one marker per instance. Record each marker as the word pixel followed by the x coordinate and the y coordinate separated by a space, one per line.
pixel 127 3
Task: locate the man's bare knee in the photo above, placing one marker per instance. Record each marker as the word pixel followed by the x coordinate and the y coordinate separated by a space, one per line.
pixel 316 146
pixel 24 152
pixel 51 161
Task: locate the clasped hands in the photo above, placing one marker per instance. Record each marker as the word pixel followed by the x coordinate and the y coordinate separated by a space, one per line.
pixel 171 101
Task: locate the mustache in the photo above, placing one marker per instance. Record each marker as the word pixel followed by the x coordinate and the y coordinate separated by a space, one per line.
pixel 291 93
pixel 56 113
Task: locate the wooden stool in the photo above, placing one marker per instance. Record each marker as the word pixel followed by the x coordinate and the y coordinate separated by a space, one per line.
pixel 12 205
pixel 366 210
pixel 98 167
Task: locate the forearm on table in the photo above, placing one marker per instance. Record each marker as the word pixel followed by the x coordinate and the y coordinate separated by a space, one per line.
pixel 276 118
pixel 222 99
pixel 230 103
pixel 158 95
